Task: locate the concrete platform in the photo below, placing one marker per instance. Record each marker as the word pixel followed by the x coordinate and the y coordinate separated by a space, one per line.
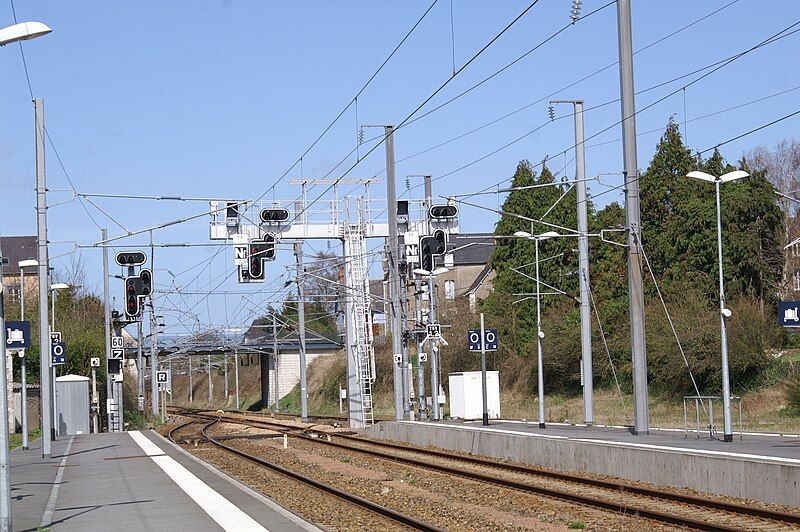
pixel 760 467
pixel 136 481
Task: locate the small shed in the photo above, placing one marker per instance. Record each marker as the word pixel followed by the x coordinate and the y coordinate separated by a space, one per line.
pixel 72 405
pixel 466 394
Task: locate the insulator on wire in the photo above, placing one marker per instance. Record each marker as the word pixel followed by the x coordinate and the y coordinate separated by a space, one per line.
pixel 552 112
pixel 408 183
pixel 361 136
pixel 575 14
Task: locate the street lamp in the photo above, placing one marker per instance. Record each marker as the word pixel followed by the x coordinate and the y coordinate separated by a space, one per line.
pixel 29 263
pixel 435 272
pixel 23 32
pixel 539 332
pixel 724 313
pixel 8 35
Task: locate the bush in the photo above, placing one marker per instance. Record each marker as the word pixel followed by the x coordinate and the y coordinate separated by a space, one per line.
pixel 792 389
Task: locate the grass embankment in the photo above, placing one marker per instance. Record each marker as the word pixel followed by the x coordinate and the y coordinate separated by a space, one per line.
pixel 15 440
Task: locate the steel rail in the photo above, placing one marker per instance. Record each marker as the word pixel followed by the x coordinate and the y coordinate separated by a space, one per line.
pixel 710 504
pixel 355 499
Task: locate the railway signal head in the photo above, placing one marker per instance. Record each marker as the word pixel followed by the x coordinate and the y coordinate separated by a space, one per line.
pixel 443 212
pixel 137 287
pixel 429 247
pixel 260 251
pixel 131 258
pixel 274 216
pixel 131 299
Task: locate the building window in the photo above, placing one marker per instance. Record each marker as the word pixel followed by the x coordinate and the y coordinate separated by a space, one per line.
pixel 450 289
pixel 13 292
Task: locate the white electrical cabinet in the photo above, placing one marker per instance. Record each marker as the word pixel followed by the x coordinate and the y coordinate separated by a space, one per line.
pixel 466 397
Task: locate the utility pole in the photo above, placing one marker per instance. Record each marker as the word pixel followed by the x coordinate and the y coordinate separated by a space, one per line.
pixel 107 320
pixel 301 321
pixel 48 430
pixel 641 414
pixel 153 338
pixel 392 250
pixel 583 262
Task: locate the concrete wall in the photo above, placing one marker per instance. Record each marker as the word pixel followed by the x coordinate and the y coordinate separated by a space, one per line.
pixel 768 481
pixel 289 372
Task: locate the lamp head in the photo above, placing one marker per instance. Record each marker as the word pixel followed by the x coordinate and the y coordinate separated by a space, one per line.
pixel 22 32
pixel 702 176
pixel 733 176
pixel 548 234
pixel 28 263
pixel 522 234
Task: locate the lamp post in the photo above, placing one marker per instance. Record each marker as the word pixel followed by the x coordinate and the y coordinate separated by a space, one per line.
pixel 23 373
pixel 8 35
pixel 724 313
pixel 539 332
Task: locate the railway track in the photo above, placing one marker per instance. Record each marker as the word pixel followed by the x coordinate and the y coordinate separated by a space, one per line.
pixel 696 512
pixel 371 506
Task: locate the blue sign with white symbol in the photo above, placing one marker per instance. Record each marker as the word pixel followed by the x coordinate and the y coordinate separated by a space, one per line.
pixel 789 313
pixel 18 334
pixel 489 337
pixel 59 353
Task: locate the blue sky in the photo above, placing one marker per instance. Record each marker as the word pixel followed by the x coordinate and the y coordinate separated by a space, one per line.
pixel 220 98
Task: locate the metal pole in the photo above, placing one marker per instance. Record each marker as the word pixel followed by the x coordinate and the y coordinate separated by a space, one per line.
pixel 53 294
pixel 23 372
pixel 153 338
pixel 140 367
pixel 483 376
pixel 94 400
pixel 41 238
pixel 641 414
pixel 434 350
pixel 392 249
pixel 420 365
pixel 5 465
pixel 210 385
pixel 432 317
pixel 191 387
pixel 227 388
pixel 726 385
pixel 236 375
pixel 169 368
pixel 583 267
pixel 539 334
pixel 301 321
pixel 275 359
pixel 107 319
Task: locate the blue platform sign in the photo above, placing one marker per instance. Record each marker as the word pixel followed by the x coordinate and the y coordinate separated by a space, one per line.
pixel 18 334
pixel 489 338
pixel 789 313
pixel 59 353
